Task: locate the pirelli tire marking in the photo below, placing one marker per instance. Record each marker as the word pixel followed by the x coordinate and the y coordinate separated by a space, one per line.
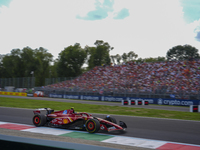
pixel 36 120
pixel 92 125
pixel 39 120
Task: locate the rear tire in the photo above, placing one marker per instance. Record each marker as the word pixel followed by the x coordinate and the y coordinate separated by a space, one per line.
pixel 92 125
pixel 39 120
pixel 111 119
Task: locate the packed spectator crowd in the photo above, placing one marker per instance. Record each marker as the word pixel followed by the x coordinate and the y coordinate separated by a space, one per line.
pixel 179 78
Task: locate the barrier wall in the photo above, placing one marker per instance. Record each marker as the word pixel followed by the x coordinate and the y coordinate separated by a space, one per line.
pixel 159 101
pixel 13 93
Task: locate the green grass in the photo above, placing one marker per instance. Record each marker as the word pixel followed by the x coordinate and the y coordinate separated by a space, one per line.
pixel 103 109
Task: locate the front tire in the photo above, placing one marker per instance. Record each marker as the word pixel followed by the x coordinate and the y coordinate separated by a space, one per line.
pixel 92 125
pixel 39 120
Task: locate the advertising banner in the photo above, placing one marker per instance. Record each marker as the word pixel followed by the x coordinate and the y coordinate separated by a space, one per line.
pixel 87 97
pixel 71 96
pixel 112 98
pixel 159 101
pixel 30 95
pixel 56 95
pixel 177 102
pixel 162 101
pixel 13 93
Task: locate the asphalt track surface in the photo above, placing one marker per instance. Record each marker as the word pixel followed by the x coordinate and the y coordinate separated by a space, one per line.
pixel 140 127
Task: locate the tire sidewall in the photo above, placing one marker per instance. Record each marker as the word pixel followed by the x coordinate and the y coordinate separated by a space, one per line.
pixel 41 120
pixel 95 125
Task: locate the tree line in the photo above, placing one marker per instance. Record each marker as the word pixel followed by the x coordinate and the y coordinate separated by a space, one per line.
pixel 40 64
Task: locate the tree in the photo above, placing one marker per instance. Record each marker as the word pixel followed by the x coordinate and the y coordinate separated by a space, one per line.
pixel 42 63
pixel 112 59
pixel 182 53
pixel 1 66
pixel 118 58
pixel 131 55
pixel 100 54
pixel 70 61
pixel 28 61
pixel 124 57
pixel 20 63
pixel 12 64
pixel 91 57
pixel 158 59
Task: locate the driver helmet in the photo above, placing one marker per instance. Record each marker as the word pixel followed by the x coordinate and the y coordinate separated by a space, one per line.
pixel 72 108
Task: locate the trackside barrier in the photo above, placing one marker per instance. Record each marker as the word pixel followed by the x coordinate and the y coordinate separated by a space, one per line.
pixel 13 93
pixel 125 102
pixel 194 108
pixel 159 101
pixel 139 102
pixel 145 102
pixel 134 102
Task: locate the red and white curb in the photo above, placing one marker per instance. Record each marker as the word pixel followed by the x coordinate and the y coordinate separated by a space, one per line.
pixel 130 141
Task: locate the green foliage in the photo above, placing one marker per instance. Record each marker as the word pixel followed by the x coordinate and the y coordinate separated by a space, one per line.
pixel 158 59
pixel 29 61
pixel 118 58
pixel 132 56
pixel 182 53
pixel 124 57
pixel 70 61
pixel 12 64
pixel 43 59
pixel 112 59
pixel 20 63
pixel 99 55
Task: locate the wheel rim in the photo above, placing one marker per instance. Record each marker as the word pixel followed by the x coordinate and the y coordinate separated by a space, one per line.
pixel 36 120
pixel 90 125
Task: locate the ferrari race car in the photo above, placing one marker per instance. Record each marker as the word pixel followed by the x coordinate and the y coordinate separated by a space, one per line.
pixel 71 120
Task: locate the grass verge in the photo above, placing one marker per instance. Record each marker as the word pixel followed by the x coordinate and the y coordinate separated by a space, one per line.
pixel 104 109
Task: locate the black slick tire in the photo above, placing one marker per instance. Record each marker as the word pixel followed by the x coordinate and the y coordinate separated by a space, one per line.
pixel 39 120
pixel 92 125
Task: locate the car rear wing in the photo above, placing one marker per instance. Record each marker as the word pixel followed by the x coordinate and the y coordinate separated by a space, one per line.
pixel 43 111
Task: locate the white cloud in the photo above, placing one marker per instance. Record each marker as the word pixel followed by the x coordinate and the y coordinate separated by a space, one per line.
pixel 152 28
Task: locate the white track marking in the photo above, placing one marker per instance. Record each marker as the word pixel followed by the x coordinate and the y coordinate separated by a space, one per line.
pixel 145 143
pixel 46 130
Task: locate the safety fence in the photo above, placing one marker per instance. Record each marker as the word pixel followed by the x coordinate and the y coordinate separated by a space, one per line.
pixel 23 82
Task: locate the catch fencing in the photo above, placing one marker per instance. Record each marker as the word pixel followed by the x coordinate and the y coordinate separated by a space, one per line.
pixel 24 82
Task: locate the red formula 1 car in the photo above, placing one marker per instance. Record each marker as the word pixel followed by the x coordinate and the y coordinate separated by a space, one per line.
pixel 72 120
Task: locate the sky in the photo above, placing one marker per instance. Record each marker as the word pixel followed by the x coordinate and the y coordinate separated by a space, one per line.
pixel 148 27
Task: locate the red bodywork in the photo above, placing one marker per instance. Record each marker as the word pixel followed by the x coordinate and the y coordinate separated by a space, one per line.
pixel 68 117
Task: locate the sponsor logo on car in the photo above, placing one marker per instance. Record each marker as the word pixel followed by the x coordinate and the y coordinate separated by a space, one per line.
pixel 65 121
pixel 111 128
pixel 102 127
pixel 70 119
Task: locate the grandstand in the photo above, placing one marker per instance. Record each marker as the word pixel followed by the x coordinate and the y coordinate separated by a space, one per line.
pixel 170 79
